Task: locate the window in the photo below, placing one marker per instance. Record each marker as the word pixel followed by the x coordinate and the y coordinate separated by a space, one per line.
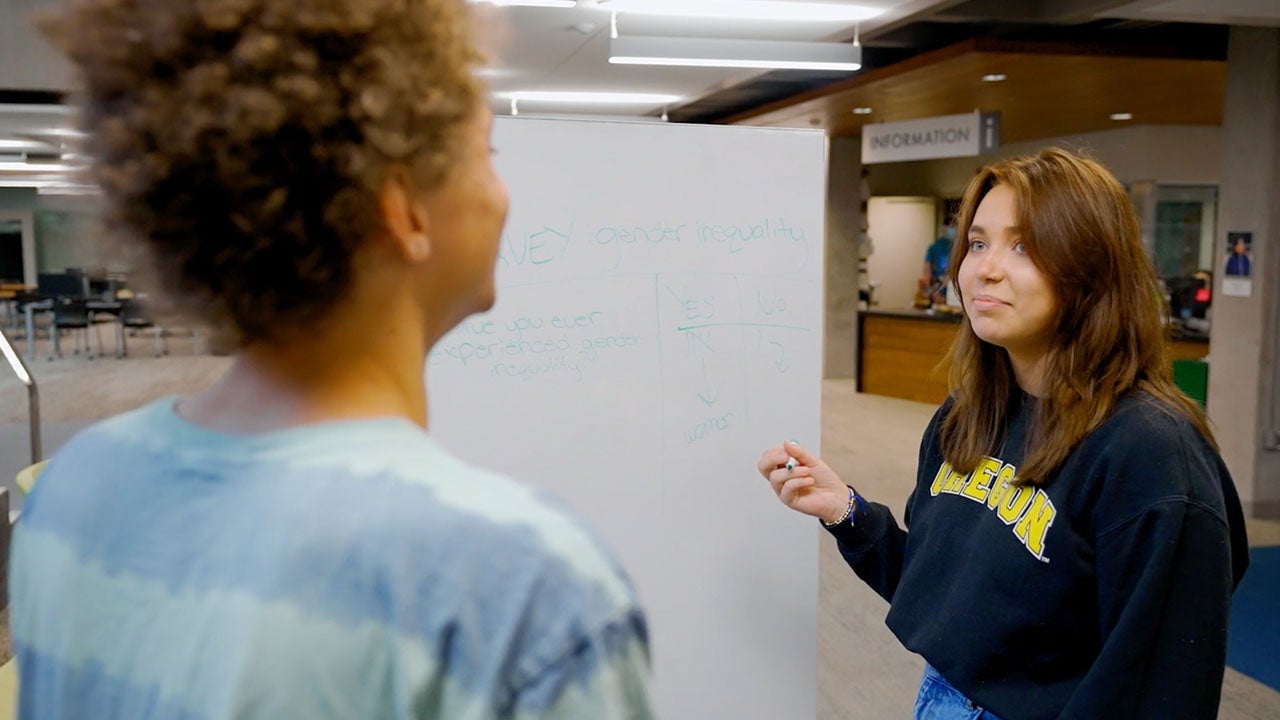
pixel 1185 225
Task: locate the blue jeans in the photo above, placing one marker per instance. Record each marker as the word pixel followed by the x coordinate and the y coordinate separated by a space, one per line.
pixel 938 700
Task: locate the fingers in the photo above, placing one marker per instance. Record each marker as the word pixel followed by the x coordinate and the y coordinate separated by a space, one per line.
pixel 798 451
pixel 779 477
pixel 793 487
pixel 787 468
pixel 779 456
pixel 801 480
pixel 772 459
pixel 764 466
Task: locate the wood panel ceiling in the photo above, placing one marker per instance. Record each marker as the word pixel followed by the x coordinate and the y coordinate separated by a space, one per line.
pixel 1050 90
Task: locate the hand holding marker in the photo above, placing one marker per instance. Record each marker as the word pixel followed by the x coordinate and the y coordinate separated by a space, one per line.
pixel 803 482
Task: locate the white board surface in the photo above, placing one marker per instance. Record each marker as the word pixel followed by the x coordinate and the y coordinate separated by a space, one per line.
pixel 658 324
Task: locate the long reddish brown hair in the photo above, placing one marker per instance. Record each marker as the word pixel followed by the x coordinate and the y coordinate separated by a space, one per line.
pixel 1081 231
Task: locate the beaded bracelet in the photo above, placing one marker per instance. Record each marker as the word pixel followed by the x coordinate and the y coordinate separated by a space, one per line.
pixel 848 510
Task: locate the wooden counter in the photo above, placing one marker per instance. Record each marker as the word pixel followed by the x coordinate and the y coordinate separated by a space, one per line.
pixel 902 353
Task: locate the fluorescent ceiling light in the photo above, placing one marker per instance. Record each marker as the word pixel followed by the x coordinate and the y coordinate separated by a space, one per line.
pixel 33 167
pixel 42 134
pixel 995 77
pixel 1121 116
pixel 527 3
pixel 37 109
pixel 709 52
pixel 62 188
pixel 45 186
pixel 592 98
pixel 23 145
pixel 862 111
pixel 745 10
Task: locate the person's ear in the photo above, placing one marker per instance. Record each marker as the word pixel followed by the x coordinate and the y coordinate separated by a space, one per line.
pixel 406 221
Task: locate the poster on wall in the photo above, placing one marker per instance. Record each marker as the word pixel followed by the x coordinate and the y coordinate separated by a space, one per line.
pixel 1237 266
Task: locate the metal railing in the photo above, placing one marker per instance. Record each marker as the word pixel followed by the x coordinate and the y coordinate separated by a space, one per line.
pixel 33 394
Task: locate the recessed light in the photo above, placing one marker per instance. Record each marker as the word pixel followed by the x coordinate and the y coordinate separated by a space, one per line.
pixel 994 77
pixel 862 111
pixel 1121 116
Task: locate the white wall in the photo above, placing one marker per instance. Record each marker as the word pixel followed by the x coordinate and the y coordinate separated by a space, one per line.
pixel 70 237
pixel 901 229
pixel 66 229
pixel 27 62
pixel 1244 344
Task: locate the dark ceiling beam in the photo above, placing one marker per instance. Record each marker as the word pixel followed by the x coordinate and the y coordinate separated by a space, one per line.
pixel 900 16
pixel 31 97
pixel 922 35
pixel 1051 12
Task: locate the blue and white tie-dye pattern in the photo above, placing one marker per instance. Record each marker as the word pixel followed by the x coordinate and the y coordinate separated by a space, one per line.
pixel 342 570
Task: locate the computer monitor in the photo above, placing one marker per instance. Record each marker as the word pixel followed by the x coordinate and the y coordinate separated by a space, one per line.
pixel 59 285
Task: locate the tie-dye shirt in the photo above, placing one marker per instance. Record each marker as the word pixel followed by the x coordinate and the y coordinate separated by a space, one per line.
pixel 349 569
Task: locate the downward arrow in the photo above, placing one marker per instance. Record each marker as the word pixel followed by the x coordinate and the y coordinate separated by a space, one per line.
pixel 706 381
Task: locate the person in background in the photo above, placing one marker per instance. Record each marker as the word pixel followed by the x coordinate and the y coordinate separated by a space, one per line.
pixel 1075 537
pixel 933 274
pixel 314 179
pixel 1238 261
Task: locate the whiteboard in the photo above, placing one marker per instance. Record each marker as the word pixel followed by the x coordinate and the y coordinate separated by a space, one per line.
pixel 658 324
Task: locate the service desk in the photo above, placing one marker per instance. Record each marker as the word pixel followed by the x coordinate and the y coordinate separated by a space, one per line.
pixel 902 353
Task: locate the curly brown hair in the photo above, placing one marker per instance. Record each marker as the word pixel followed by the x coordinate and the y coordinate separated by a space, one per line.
pixel 244 142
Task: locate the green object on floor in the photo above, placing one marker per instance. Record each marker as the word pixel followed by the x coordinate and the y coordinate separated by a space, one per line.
pixel 1192 377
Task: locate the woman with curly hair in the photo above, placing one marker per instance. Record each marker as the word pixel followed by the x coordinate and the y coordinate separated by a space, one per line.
pixel 312 179
pixel 1074 535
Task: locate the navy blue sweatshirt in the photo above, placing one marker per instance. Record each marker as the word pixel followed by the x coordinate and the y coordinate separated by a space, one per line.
pixel 1103 592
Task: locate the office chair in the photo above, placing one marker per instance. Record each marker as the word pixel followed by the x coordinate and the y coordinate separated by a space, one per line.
pixel 70 315
pixel 134 316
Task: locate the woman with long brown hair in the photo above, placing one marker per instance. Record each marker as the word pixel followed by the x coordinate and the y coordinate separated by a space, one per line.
pixel 1075 536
